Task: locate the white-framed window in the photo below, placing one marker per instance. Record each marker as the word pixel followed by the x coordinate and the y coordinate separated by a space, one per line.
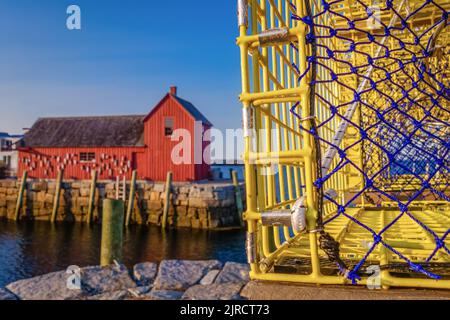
pixel 168 126
pixel 87 156
pixel 7 161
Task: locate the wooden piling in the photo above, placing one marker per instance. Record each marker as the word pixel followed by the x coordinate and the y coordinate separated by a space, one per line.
pixel 57 195
pixel 167 200
pixel 117 187
pixel 19 202
pixel 92 196
pixel 131 198
pixel 124 188
pixel 238 196
pixel 112 232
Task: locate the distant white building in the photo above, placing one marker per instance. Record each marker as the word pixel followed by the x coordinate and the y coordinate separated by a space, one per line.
pixel 9 155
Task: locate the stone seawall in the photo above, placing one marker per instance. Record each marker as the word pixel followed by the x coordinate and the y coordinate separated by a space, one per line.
pixel 207 205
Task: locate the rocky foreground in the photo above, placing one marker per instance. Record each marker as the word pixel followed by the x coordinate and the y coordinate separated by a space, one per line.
pixel 170 280
pixel 189 280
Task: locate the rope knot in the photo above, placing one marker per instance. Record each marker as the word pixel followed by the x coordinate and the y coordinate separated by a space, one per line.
pixel 403 208
pixel 447 144
pixel 388 75
pixel 333 110
pixel 391 158
pixel 417 124
pixel 307 20
pixel 416 267
pixel 439 244
pixel 318 183
pixel 377 239
pixel 330 53
pixel 310 38
pixel 363 133
pixel 353 276
pixel 352 47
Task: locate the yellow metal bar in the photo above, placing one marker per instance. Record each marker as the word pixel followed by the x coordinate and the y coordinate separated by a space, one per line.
pixel 271 88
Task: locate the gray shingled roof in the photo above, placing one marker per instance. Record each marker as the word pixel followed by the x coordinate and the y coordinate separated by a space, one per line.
pixel 103 131
pixel 193 110
pixel 106 131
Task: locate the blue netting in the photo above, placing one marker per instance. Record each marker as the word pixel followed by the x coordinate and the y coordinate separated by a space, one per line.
pixel 403 130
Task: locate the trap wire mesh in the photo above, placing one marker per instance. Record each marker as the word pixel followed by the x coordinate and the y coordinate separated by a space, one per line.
pixel 352 101
pixel 389 64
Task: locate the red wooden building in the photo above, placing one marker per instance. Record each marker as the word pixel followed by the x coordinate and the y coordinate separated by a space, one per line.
pixel 114 146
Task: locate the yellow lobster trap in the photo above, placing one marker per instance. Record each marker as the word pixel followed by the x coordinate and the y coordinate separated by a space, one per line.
pixel 347 137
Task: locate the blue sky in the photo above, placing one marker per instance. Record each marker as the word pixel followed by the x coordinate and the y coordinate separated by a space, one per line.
pixel 123 60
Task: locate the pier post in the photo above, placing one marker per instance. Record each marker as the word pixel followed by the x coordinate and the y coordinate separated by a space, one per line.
pixel 57 195
pixel 19 202
pixel 92 196
pixel 112 232
pixel 117 187
pixel 131 198
pixel 167 200
pixel 238 196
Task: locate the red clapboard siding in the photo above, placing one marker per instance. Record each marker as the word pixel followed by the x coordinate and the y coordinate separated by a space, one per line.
pixel 152 161
pixel 159 147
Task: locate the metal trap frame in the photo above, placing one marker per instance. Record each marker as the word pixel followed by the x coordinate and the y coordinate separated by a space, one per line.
pixel 346 113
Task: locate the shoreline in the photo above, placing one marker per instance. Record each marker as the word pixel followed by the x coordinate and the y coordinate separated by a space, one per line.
pixel 168 280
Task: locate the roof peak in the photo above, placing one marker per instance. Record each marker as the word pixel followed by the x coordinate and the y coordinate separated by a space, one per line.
pixel 189 107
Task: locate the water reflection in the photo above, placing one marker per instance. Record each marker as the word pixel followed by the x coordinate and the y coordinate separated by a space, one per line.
pixel 35 248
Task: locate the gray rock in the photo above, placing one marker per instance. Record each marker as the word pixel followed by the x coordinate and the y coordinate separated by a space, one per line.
pixel 179 275
pixel 54 286
pixel 210 277
pixel 163 295
pixel 114 296
pixel 6 295
pixel 140 291
pixel 234 272
pixel 145 273
pixel 97 280
pixel 229 291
